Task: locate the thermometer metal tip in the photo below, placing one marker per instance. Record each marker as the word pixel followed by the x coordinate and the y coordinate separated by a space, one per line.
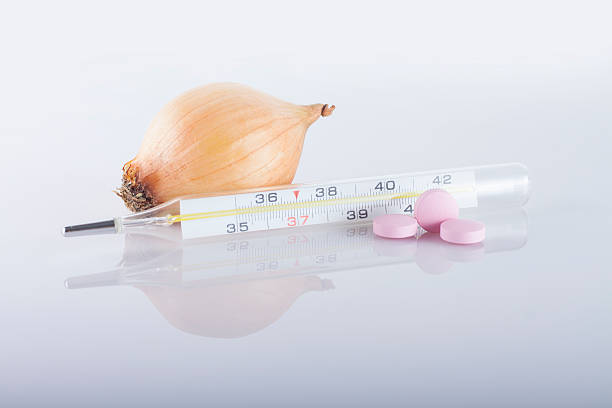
pixel 92 228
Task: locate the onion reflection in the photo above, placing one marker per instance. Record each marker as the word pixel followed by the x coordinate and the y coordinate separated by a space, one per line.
pixel 235 286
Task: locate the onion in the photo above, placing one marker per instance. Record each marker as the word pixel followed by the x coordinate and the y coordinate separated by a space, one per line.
pixel 219 137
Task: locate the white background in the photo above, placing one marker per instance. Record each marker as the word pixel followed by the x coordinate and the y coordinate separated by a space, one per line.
pixel 417 85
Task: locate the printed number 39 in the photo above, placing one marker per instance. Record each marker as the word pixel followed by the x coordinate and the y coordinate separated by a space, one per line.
pixel 352 214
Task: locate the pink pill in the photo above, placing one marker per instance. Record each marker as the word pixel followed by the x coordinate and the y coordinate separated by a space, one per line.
pixel 460 231
pixel 395 226
pixel 433 207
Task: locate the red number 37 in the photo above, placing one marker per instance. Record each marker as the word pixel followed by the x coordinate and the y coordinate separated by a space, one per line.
pixel 294 221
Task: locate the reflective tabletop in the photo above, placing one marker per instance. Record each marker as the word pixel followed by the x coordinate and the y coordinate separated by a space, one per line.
pixel 323 315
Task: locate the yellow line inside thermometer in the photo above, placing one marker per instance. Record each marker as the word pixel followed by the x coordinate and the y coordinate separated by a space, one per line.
pixel 291 206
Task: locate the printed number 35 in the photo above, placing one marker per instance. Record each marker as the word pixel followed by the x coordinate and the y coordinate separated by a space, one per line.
pixel 242 227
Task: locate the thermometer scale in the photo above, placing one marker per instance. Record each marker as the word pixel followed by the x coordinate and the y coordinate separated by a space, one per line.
pixel 344 201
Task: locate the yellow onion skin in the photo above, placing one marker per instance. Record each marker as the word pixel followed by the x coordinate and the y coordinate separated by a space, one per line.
pixel 215 138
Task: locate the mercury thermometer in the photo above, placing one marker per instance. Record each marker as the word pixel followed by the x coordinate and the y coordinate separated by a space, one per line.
pixel 344 201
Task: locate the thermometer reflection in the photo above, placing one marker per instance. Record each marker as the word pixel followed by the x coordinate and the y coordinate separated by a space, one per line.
pixel 231 287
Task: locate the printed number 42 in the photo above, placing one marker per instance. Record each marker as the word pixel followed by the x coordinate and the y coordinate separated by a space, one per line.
pixel 445 179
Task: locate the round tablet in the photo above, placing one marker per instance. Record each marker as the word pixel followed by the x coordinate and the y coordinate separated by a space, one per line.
pixel 433 207
pixel 395 226
pixel 460 231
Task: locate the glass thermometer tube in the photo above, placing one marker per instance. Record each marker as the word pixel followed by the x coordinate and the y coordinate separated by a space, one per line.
pixel 347 201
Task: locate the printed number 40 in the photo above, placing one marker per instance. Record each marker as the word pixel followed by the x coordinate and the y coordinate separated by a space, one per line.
pixel 387 185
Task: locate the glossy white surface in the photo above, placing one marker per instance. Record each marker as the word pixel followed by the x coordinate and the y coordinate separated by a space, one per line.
pixel 523 320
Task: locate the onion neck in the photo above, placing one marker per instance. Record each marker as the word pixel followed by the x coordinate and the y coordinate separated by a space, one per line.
pixel 318 110
pixel 133 193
